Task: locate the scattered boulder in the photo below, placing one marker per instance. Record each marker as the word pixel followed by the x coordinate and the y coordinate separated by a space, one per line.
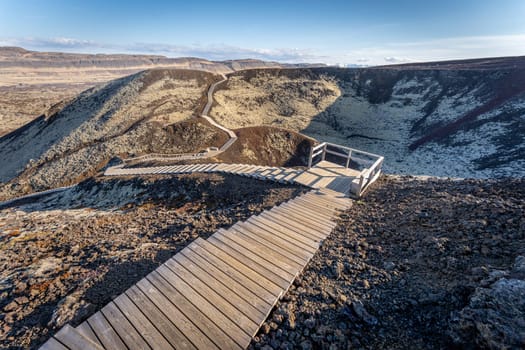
pixel 495 315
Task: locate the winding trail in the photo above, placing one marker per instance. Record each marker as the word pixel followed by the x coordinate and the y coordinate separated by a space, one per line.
pixel 206 110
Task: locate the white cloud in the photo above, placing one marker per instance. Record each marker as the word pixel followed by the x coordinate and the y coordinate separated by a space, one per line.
pixel 211 52
pixel 390 53
pixel 441 49
pixel 391 59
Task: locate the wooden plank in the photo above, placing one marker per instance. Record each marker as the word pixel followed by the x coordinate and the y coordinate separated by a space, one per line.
pixel 291 219
pixel 247 271
pixel 299 239
pixel 87 332
pixel 314 223
pixel 220 167
pixel 316 206
pixel 271 272
pixel 319 205
pixel 123 327
pixel 263 250
pixel 237 169
pixel 192 168
pixel 180 276
pixel 284 248
pixel 105 333
pixel 291 225
pixel 194 312
pixel 327 215
pixel 291 177
pixel 73 340
pixel 183 168
pixel 209 167
pixel 225 285
pixel 190 321
pixel 53 344
pixel 228 168
pixel 198 168
pixel 261 292
pixel 169 330
pixel 268 257
pixel 143 325
pixel 288 222
pixel 178 168
pixel 295 204
pixel 329 200
pixel 206 167
pixel 301 208
pixel 285 243
pixel 336 209
pixel 306 179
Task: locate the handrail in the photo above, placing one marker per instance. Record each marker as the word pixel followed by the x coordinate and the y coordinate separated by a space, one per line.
pixel 366 177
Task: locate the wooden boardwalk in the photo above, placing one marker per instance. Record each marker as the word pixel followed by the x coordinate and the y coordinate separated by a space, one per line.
pixel 215 293
pixel 324 175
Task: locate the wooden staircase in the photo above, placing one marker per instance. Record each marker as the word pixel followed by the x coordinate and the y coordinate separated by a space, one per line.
pixel 215 293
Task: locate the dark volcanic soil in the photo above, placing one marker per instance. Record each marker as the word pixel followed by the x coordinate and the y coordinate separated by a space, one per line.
pixel 406 268
pixel 68 255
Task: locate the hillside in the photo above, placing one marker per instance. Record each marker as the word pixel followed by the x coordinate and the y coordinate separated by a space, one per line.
pixel 32 81
pixel 460 118
pixel 149 112
pixel 143 113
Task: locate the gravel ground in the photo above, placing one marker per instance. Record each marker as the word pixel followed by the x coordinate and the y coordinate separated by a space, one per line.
pixel 66 256
pixel 418 264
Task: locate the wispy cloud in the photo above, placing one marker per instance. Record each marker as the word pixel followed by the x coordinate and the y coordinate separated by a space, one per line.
pixel 211 52
pixel 389 53
pixel 441 49
pixel 49 43
pixel 391 59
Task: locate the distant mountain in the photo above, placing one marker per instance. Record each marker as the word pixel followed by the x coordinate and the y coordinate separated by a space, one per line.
pixel 19 57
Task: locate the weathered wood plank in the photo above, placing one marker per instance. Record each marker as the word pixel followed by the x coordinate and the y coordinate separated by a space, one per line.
pixel 87 332
pixel 195 312
pixel 73 340
pixel 124 328
pixel 237 264
pixel 287 243
pixel 315 228
pixel 252 264
pixel 207 291
pixel 316 216
pixel 263 250
pixel 283 248
pixel 315 206
pixel 262 290
pixel 105 333
pixel 299 239
pixel 318 226
pixel 310 214
pixel 196 327
pixel 281 220
pixel 278 266
pixel 168 329
pixel 143 325
pixel 251 305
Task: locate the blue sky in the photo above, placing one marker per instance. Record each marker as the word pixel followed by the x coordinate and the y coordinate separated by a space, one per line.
pixel 367 32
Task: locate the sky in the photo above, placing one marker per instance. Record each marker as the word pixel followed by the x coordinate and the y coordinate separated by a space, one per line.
pixel 366 32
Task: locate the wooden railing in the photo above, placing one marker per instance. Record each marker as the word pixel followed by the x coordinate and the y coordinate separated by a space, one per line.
pixel 370 164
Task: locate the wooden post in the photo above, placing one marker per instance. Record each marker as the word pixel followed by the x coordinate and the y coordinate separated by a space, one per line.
pixel 323 156
pixel 348 159
pixel 361 179
pixel 310 158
